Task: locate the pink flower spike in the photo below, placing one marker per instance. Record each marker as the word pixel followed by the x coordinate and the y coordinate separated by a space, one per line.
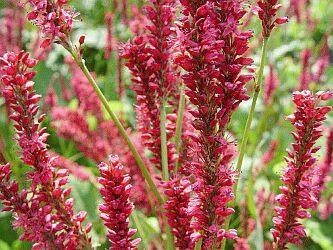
pixel 44 211
pixel 116 209
pixel 267 10
pixel 297 193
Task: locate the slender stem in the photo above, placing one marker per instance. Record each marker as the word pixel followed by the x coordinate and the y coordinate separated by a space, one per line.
pixel 257 87
pixel 165 167
pixel 81 63
pixel 141 231
pixel 179 125
pixel 198 245
pixel 164 148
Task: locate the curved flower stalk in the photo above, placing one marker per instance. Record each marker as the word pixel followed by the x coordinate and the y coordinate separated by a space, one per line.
pixel 116 208
pixel 47 201
pixel 55 19
pixel 212 48
pixel 296 194
pixel 154 80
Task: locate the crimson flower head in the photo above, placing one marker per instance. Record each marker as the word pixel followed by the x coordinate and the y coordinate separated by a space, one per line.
pixel 297 192
pixel 116 208
pixel 212 49
pixel 44 211
pixel 267 10
pixel 53 18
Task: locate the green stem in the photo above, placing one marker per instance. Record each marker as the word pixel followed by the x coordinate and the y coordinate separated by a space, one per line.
pixel 179 125
pixel 141 231
pixel 81 63
pixel 257 87
pixel 164 148
pixel 165 167
pixel 198 245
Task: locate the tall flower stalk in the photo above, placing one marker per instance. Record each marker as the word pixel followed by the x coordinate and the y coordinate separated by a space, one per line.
pixel 297 192
pixel 56 22
pixel 212 48
pixel 44 211
pixel 266 9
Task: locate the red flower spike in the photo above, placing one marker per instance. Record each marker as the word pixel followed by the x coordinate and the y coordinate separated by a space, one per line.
pixel 178 192
pixel 116 208
pixel 267 10
pixel 297 193
pixel 212 51
pixel 154 77
pixel 54 20
pixel 46 217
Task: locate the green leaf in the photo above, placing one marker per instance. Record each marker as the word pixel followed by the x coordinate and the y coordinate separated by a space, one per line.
pixel 316 233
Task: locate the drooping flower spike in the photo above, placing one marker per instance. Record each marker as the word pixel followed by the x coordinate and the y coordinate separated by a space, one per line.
pixel 297 192
pixel 44 211
pixel 267 10
pixel 117 207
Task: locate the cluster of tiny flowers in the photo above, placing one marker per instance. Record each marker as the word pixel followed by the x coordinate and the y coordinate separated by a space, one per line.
pixel 178 192
pixel 116 208
pixel 296 194
pixel 154 78
pixel 45 211
pixel 213 59
pixel 267 10
pixel 53 18
pixel 271 84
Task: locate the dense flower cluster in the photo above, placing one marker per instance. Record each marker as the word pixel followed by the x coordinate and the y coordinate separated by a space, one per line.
pixel 267 10
pixel 117 208
pixel 154 78
pixel 296 197
pixel 271 84
pixel 179 192
pixel 45 211
pixel 212 48
pixel 53 18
